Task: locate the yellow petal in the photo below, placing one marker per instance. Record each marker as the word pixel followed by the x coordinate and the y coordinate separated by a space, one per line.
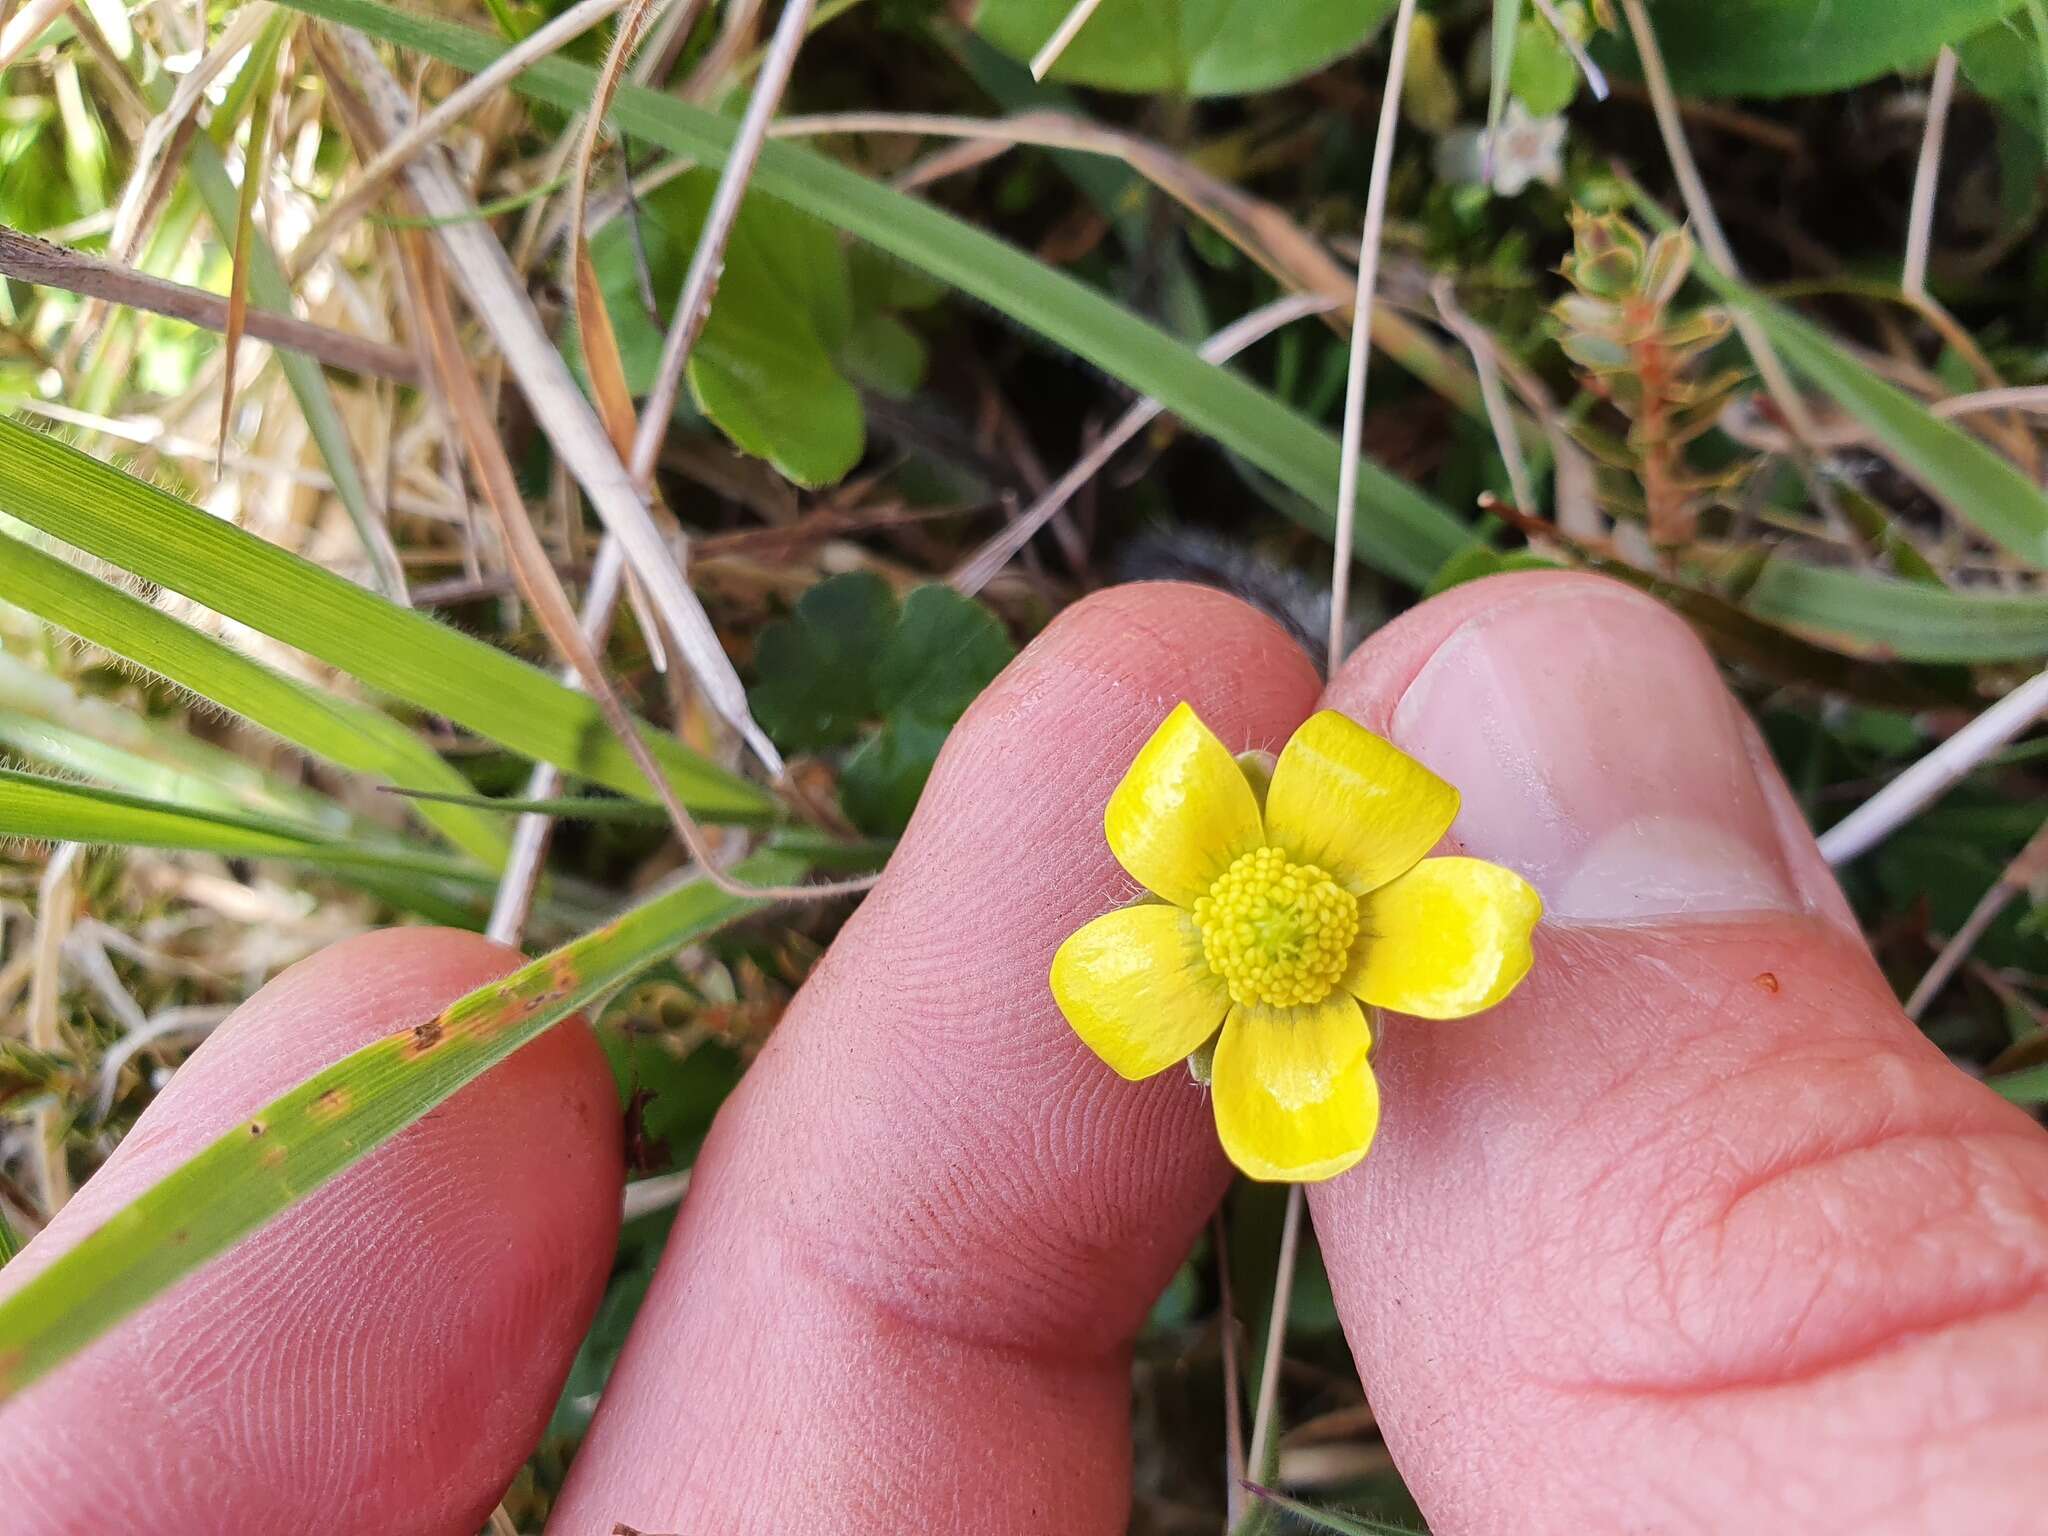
pixel 1445 940
pixel 1295 1096
pixel 1135 987
pixel 1183 812
pixel 1355 804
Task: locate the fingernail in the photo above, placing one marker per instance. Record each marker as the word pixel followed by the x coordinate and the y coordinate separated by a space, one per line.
pixel 1599 754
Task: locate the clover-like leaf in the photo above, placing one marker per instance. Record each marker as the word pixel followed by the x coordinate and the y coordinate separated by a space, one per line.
pixel 816 686
pixel 850 658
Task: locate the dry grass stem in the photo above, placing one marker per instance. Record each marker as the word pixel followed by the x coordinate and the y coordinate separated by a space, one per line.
pixel 1927 176
pixel 1062 37
pixel 38 261
pixel 1361 331
pixel 708 260
pixel 980 568
pixel 340 215
pixel 1936 773
pixel 498 299
pixel 2023 874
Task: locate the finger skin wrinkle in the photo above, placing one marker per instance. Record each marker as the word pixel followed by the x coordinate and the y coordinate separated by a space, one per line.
pixel 1742 1257
pixel 382 1356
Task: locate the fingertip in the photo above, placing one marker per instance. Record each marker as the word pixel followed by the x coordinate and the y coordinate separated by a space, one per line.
pixel 383 1354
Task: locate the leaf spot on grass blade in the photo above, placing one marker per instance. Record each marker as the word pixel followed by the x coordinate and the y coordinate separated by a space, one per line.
pixel 330 1101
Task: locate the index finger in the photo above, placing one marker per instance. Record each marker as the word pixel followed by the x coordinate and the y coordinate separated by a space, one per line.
pixel 925 1229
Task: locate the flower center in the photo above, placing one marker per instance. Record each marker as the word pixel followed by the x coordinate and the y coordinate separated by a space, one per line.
pixel 1279 934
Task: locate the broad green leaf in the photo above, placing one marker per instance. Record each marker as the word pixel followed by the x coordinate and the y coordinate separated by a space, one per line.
pixel 1797 47
pixel 291 1147
pixel 1982 488
pixel 1545 75
pixel 1187 47
pixel 850 657
pixel 326 725
pixel 1400 530
pixel 2008 63
pixel 887 772
pixel 764 370
pixel 1506 40
pixel 397 651
pixel 946 648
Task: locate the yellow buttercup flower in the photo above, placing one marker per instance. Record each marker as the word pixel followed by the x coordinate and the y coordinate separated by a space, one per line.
pixel 1289 909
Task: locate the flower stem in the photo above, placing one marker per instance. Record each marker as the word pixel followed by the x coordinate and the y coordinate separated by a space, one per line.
pixel 1264 1419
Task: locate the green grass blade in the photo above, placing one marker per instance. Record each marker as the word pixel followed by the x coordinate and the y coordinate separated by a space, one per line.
pixel 339 730
pixel 61 811
pixel 1401 531
pixel 2029 1086
pixel 1977 485
pixel 52 706
pixel 1507 32
pixel 563 807
pixel 399 652
pixel 294 1145
pixel 1329 1519
pixel 1905 619
pixel 77 754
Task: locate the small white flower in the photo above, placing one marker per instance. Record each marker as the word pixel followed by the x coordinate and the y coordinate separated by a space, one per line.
pixel 1526 149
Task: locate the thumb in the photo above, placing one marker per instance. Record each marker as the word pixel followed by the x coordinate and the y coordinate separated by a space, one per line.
pixel 1697 1232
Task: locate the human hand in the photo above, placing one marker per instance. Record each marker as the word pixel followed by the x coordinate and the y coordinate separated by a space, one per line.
pixel 1695 1233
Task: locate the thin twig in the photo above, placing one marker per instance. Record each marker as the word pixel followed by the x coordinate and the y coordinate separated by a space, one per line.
pixel 1927 178
pixel 1700 208
pixel 2026 871
pixel 542 589
pixel 708 261
pixel 1233 1408
pixel 1486 359
pixel 513 902
pixel 1062 37
pixel 498 299
pixel 1263 1429
pixel 33 260
pixel 336 217
pixel 1930 778
pixel 25 26
pixel 1361 329
pixel 56 904
pixel 1596 78
pixel 975 572
pixel 645 1196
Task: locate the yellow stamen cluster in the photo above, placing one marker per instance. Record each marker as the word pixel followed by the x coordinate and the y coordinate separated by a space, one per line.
pixel 1278 933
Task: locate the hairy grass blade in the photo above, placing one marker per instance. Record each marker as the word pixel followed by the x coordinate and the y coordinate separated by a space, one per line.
pixel 397 651
pixel 292 1146
pixel 334 728
pixel 60 811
